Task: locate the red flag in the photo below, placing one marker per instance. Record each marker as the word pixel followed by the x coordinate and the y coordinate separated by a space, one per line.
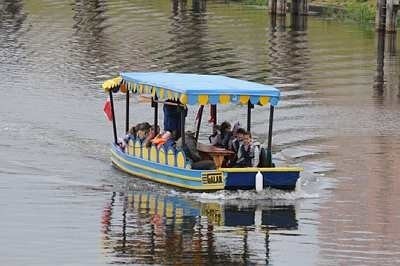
pixel 108 110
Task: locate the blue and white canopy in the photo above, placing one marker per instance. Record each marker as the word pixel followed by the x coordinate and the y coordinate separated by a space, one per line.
pixel 195 88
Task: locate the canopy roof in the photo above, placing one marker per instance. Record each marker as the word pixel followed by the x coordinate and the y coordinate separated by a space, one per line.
pixel 195 88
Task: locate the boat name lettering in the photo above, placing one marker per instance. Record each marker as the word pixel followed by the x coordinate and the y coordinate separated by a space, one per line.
pixel 211 178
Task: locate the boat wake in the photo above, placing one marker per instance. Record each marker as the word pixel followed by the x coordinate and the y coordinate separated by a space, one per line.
pixel 252 195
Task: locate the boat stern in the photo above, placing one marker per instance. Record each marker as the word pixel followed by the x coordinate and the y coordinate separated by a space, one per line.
pixel 277 177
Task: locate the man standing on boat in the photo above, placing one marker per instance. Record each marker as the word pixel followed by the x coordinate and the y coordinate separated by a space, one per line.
pixel 172 118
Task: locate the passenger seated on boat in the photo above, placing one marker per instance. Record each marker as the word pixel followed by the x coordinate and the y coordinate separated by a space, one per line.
pixel 249 153
pixel 172 118
pixel 121 144
pixel 237 140
pixel 216 135
pixel 142 130
pixel 152 134
pixel 234 145
pixel 170 141
pixel 235 129
pixel 191 152
pixel 221 135
pixel 131 135
pixel 164 138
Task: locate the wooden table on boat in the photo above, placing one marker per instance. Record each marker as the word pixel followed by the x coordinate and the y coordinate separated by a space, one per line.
pixel 218 154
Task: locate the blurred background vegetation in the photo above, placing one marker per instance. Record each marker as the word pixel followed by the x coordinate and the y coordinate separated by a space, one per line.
pixel 362 11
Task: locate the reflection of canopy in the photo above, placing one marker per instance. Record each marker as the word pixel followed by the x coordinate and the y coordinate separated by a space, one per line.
pixel 195 89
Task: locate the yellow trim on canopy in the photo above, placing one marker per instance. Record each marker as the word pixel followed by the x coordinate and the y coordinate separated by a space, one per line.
pixel 203 99
pixel 111 83
pixel 263 100
pixel 161 93
pixel 243 99
pixel 167 94
pixel 224 99
pixel 183 99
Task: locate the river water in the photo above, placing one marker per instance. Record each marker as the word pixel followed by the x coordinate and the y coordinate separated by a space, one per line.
pixel 62 203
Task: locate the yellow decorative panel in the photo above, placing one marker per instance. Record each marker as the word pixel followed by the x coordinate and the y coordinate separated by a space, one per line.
pixel 171 157
pixel 203 99
pixel 161 156
pixel 137 149
pixel 146 153
pixel 161 93
pixel 111 83
pixel 263 100
pixel 180 159
pixel 130 147
pixel 243 99
pixel 153 153
pixel 224 99
pixel 169 94
pixel 183 99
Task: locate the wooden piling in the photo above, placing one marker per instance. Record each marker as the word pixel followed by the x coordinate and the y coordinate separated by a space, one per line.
pixel 380 18
pixel 299 7
pixel 272 6
pixel 391 15
pixel 281 8
pixel 277 7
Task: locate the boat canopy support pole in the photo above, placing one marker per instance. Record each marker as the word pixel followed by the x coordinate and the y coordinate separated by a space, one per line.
pixel 269 151
pixel 113 117
pixel 154 103
pixel 213 114
pixel 249 107
pixel 127 112
pixel 199 116
pixel 182 111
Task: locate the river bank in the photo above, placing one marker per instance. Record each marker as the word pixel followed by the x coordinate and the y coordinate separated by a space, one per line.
pixel 357 10
pixel 362 11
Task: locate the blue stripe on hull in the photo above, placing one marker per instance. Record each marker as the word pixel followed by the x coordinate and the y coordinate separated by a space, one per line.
pixel 179 177
pixel 243 180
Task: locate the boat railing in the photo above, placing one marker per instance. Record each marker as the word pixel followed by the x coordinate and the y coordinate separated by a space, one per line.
pixel 171 156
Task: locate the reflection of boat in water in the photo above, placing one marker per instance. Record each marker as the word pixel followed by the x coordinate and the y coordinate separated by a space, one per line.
pixel 149 228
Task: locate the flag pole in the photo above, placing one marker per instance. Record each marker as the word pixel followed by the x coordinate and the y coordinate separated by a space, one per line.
pixel 127 112
pixel 113 118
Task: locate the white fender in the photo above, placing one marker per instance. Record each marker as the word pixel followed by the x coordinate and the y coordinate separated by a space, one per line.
pixel 259 181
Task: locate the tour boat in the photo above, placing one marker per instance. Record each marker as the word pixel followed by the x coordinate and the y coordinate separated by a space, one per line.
pixel 172 165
